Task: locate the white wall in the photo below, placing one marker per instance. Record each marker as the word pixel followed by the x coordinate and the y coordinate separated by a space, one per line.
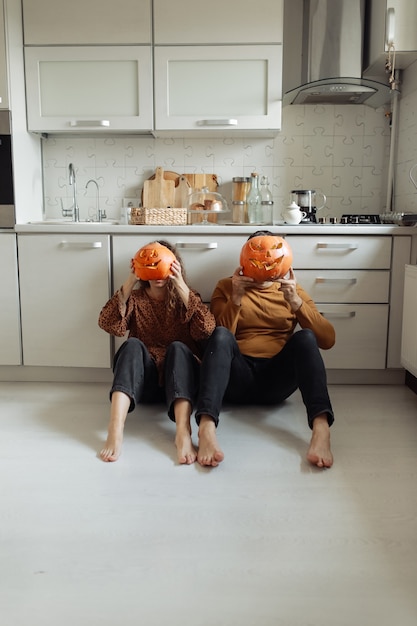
pixel 339 150
pixel 405 192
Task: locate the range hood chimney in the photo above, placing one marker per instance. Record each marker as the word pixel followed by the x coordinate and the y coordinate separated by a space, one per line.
pixel 330 68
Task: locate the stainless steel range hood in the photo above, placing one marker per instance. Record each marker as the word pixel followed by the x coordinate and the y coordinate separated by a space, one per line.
pixel 329 69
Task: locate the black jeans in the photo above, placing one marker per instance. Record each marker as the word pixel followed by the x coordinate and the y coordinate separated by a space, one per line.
pixel 227 374
pixel 136 374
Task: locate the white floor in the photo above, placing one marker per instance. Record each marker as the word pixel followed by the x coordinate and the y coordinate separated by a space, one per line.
pixel 262 540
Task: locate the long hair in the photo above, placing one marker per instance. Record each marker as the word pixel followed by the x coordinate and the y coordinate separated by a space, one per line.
pixel 173 296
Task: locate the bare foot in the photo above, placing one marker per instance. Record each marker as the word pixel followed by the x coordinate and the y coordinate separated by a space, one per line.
pixel 319 452
pixel 113 447
pixel 186 452
pixel 209 452
pixel 120 403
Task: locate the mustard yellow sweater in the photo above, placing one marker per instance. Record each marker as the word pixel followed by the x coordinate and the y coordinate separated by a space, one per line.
pixel 264 321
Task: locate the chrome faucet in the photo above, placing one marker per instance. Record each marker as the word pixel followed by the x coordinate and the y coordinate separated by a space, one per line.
pixel 101 215
pixel 72 181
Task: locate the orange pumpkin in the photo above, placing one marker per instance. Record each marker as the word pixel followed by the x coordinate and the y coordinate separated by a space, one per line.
pixel 153 262
pixel 266 257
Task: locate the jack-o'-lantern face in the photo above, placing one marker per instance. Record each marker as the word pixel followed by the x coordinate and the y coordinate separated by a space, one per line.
pixel 266 257
pixel 153 262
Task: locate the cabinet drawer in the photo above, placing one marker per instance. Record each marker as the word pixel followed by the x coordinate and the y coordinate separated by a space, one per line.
pixel 345 285
pixel 339 252
pixel 361 335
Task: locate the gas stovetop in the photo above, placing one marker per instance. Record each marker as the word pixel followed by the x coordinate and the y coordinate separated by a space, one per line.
pixel 350 218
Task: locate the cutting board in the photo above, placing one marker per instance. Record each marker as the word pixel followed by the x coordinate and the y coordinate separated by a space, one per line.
pixel 158 193
pixel 182 190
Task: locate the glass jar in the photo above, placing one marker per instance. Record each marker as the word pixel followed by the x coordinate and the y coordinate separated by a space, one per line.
pixel 240 190
pixel 239 210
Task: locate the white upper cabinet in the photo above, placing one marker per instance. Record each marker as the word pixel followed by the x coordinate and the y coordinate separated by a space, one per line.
pixel 223 90
pixel 391 21
pixel 86 22
pixel 217 22
pixel 4 91
pixel 218 67
pixel 89 89
pixel 215 68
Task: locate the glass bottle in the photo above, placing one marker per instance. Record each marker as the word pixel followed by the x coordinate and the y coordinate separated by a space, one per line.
pixel 267 203
pixel 254 200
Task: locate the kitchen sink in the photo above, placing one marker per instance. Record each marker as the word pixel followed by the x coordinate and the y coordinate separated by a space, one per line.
pixel 64 222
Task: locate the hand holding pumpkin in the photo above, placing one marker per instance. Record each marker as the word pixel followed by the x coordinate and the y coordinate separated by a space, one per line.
pixel 288 286
pixel 239 285
pixel 177 278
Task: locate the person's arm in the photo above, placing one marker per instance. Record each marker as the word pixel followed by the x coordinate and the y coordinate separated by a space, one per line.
pixel 227 297
pixel 114 316
pixel 179 282
pixel 306 312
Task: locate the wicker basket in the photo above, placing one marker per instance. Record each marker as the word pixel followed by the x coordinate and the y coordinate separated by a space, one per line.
pixel 161 217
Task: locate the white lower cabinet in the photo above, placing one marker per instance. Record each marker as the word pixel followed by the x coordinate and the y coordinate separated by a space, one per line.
pixel 350 284
pixel 409 326
pixel 10 351
pixel 64 282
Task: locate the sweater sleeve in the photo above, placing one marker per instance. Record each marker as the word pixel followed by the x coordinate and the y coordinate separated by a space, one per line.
pixel 201 321
pixel 308 316
pixel 111 318
pixel 222 306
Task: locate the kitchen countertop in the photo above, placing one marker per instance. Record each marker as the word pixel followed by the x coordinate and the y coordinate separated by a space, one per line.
pixel 212 229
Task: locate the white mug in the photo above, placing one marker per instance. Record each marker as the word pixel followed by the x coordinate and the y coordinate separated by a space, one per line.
pixel 293 215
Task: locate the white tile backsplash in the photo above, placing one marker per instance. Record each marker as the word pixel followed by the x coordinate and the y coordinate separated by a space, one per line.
pixel 341 151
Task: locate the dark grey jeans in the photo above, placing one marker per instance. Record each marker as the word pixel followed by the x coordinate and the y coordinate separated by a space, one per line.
pixel 136 375
pixel 227 374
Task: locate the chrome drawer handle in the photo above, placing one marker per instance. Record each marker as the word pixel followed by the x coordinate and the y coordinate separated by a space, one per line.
pixel 335 314
pixel 223 122
pixel 196 245
pixel 87 123
pixel 85 245
pixel 344 281
pixel 338 246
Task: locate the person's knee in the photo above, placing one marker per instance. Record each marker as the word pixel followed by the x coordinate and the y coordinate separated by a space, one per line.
pixel 176 347
pixel 221 337
pixel 305 339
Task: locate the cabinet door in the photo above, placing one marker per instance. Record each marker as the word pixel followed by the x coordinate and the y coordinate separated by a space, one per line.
pixel 409 326
pixel 218 90
pixel 85 89
pixel 361 335
pixel 64 282
pixel 4 90
pixel 218 22
pixel 10 351
pixel 59 22
pixel 339 252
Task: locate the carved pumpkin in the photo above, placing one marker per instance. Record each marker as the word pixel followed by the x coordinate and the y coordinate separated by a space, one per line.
pixel 266 257
pixel 153 262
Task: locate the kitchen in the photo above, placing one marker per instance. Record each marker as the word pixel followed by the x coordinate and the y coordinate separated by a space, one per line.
pixel 340 150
